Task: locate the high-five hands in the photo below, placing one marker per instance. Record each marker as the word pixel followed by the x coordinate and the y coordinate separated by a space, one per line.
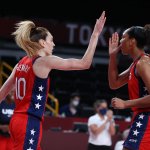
pixel 113 44
pixel 99 24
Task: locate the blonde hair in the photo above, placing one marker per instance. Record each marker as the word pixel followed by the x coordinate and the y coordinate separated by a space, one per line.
pixel 27 36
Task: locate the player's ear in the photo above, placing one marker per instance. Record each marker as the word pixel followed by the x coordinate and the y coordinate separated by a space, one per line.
pixel 42 42
pixel 133 41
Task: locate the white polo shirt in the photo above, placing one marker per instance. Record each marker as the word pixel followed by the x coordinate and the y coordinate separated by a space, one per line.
pixel 104 137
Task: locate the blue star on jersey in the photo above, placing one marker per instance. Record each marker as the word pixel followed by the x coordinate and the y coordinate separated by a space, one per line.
pixel 137 131
pixel 39 95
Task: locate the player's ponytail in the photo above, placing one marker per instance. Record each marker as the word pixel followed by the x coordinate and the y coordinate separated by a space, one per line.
pixel 147 34
pixel 27 36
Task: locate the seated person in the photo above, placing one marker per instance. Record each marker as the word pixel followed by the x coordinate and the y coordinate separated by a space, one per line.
pixel 72 109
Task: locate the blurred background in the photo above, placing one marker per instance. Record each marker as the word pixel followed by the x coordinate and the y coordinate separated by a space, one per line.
pixel 71 24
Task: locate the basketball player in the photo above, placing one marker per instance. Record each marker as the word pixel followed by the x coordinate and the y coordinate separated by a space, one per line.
pixel 30 77
pixel 137 76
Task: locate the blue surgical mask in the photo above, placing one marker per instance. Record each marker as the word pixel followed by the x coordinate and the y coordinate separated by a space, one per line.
pixel 103 111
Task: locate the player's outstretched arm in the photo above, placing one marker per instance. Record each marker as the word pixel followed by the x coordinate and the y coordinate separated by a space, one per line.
pixel 54 62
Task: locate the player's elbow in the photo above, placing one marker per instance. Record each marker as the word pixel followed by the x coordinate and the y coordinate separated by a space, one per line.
pixel 79 66
pixel 85 64
pixel 113 86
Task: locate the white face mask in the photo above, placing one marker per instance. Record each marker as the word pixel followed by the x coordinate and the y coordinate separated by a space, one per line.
pixel 75 102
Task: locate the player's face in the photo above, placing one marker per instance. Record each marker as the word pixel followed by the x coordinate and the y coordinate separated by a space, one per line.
pixel 49 44
pixel 125 43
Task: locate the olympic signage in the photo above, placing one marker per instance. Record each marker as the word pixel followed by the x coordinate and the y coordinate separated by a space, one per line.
pixel 72 34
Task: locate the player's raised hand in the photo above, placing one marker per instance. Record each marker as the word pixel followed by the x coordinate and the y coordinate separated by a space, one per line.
pixel 99 24
pixel 113 44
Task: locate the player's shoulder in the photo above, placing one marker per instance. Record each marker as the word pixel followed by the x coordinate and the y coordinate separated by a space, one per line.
pixel 24 58
pixel 145 60
pixel 44 59
pixel 47 61
pixel 143 63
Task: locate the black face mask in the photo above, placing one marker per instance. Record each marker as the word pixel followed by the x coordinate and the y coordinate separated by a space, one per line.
pixel 103 111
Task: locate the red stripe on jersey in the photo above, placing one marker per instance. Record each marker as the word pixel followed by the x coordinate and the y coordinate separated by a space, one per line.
pixel 145 142
pixel 136 87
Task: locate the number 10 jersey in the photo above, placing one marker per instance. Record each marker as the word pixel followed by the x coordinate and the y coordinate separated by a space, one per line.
pixel 31 91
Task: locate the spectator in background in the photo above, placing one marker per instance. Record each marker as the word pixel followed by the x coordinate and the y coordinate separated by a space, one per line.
pixel 119 144
pixel 72 109
pixel 101 127
pixel 6 111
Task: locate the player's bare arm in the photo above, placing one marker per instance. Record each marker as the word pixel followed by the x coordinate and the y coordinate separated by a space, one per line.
pixel 116 80
pixel 54 62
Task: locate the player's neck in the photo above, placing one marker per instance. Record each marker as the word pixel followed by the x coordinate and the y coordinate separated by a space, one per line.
pixel 41 53
pixel 136 54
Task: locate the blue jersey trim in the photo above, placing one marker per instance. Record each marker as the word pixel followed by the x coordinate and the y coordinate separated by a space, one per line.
pixel 32 133
pixel 38 98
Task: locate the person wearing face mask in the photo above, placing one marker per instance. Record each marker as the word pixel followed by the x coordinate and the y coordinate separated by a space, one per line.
pixel 72 109
pixel 101 127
